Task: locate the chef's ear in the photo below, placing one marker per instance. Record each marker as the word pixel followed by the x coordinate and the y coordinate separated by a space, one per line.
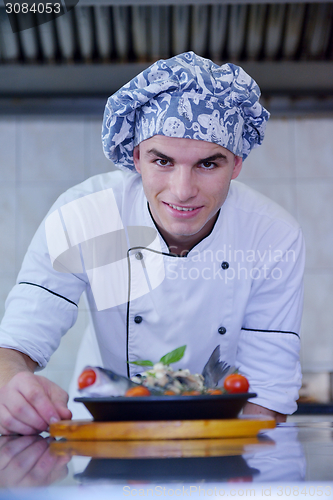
pixel 136 159
pixel 237 167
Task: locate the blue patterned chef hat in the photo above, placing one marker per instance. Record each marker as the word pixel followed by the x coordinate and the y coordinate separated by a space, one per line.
pixel 185 96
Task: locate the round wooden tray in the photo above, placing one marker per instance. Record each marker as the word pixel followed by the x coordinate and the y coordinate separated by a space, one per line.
pixel 83 430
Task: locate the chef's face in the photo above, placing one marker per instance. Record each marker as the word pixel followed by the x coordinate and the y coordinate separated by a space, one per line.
pixel 186 181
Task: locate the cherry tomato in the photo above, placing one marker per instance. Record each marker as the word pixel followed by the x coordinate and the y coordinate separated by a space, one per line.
pixel 214 392
pixel 136 391
pixel 87 378
pixel 236 383
pixel 169 392
pixel 191 393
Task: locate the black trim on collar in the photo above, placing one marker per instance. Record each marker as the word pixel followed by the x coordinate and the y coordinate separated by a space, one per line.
pixel 269 331
pixel 50 291
pixel 129 296
pixel 185 255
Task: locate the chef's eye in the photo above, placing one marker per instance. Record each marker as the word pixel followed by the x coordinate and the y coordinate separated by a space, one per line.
pixel 207 165
pixel 162 162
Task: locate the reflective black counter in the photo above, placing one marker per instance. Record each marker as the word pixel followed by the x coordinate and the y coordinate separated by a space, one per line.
pixel 295 459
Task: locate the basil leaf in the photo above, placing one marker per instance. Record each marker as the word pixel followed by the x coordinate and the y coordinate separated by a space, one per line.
pixel 173 356
pixel 142 362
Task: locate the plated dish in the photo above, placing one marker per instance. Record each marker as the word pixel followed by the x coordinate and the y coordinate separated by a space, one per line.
pixel 204 407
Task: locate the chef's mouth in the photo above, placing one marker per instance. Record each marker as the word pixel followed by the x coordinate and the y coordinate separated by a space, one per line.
pixel 181 208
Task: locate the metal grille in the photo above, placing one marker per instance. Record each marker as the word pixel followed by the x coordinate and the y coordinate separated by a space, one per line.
pixel 112 34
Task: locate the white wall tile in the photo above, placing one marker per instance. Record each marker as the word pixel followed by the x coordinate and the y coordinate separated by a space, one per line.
pixel 316 331
pixel 7 229
pixel 314 148
pixel 315 214
pixel 51 150
pixel 96 162
pixel 274 159
pixel 7 150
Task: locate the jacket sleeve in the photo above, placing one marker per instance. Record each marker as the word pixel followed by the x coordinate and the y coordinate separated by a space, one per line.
pixel 43 304
pixel 269 343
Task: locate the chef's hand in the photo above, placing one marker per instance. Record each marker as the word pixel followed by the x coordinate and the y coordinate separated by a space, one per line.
pixel 27 462
pixel 28 402
pixel 253 409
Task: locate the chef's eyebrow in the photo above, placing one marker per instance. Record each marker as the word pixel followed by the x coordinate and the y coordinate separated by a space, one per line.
pixel 155 152
pixel 218 156
pixel 212 158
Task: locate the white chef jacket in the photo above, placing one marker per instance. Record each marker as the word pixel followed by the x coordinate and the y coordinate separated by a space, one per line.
pixel 240 287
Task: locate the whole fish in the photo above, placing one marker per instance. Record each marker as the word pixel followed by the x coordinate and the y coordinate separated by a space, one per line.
pixel 105 383
pixel 100 382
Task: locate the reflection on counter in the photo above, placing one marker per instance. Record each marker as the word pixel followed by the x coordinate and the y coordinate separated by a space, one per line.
pixel 283 463
pixel 27 462
pixel 292 453
pixel 275 455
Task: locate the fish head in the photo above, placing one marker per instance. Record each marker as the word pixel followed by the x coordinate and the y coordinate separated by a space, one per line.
pixel 102 383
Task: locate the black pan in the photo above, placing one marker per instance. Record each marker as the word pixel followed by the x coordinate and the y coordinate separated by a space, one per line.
pixel 120 409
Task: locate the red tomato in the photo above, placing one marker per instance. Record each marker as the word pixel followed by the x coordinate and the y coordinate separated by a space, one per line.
pixel 139 390
pixel 214 392
pixel 191 393
pixel 236 383
pixel 87 377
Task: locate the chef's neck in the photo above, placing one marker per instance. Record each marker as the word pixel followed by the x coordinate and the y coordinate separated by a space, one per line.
pixel 181 244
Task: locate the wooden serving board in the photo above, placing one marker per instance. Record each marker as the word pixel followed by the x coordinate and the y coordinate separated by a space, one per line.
pixel 172 448
pixel 83 430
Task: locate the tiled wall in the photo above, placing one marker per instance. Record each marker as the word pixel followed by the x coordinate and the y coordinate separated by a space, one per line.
pixel 41 157
pixel 294 166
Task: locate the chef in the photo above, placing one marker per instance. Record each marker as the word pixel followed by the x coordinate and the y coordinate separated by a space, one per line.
pixel 169 250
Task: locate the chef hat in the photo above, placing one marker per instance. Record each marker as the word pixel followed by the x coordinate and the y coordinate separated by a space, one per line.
pixel 185 96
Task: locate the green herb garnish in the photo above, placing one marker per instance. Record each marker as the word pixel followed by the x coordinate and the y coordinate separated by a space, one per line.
pixel 167 359
pixel 173 356
pixel 142 362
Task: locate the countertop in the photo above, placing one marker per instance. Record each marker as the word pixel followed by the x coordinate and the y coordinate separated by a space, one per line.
pixel 293 460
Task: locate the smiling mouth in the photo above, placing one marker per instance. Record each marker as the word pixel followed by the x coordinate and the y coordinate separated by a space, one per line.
pixel 182 209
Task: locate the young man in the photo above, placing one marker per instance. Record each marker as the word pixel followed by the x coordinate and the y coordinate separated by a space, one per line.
pixel 169 251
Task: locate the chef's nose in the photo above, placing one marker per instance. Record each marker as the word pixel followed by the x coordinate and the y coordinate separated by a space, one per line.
pixel 184 183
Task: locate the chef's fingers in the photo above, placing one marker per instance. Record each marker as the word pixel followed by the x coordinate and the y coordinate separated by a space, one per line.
pixel 20 404
pixel 38 395
pixel 27 407
pixel 64 412
pixel 10 424
pixel 58 397
pixel 23 399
